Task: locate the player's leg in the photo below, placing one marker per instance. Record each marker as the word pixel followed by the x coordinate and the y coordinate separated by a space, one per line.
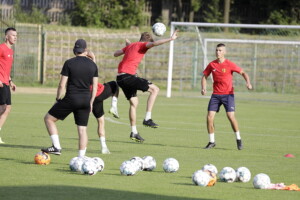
pixel 114 92
pixel 210 129
pixel 83 140
pixel 101 134
pixel 134 135
pixel 3 118
pixel 50 122
pixel 154 90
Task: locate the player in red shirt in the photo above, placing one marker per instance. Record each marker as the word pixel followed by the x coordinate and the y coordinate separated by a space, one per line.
pixel 6 60
pixel 128 80
pixel 223 94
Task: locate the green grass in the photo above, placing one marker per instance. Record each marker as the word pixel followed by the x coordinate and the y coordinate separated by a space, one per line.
pixel 270 129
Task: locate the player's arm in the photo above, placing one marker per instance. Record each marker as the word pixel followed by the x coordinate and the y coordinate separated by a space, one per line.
pixel 94 91
pixel 61 87
pixel 118 53
pixel 91 55
pixel 127 42
pixel 203 84
pixel 162 41
pixel 247 79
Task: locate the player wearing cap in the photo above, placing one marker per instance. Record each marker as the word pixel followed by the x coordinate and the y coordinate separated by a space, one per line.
pixel 6 60
pixel 77 75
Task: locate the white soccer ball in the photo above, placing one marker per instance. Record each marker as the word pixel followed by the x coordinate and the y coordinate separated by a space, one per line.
pixel 211 168
pixel 261 181
pixel 149 163
pixel 159 29
pixel 170 165
pixel 139 162
pixel 72 163
pixel 128 168
pixel 76 164
pixel 99 163
pixel 90 167
pixel 200 178
pixel 243 174
pixel 227 174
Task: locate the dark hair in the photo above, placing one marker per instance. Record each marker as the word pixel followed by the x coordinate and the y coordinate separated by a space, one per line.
pixel 146 37
pixel 221 45
pixel 9 29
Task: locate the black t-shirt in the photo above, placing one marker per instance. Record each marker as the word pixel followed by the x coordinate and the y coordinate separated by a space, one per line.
pixel 80 71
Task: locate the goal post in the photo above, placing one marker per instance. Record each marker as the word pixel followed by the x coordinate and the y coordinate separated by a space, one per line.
pixel 269 53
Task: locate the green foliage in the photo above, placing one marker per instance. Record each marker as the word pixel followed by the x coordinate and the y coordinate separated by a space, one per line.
pixel 34 15
pixel 212 12
pixel 108 13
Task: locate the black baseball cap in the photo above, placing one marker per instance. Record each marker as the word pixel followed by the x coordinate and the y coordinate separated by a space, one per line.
pixel 80 46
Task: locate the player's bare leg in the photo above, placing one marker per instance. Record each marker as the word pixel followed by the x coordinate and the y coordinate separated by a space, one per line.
pixel 101 134
pixel 134 135
pixel 154 90
pixel 3 118
pixel 210 129
pixel 235 128
pixel 83 140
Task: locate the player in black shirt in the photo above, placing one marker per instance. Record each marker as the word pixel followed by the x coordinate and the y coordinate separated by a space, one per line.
pixel 77 75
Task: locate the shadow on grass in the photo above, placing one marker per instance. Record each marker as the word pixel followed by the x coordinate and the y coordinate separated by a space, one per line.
pixel 60 192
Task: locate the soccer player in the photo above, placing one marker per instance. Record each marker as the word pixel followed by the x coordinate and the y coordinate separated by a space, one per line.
pixel 128 80
pixel 104 91
pixel 77 75
pixel 223 94
pixel 6 60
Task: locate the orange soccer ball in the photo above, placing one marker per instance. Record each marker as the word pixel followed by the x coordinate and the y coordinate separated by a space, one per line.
pixel 213 178
pixel 42 158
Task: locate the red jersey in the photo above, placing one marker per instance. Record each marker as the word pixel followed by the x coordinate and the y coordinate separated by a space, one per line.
pixel 100 89
pixel 222 75
pixel 133 55
pixel 6 60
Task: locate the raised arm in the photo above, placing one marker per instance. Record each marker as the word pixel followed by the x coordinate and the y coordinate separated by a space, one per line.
pixel 118 53
pixel 162 41
pixel 247 79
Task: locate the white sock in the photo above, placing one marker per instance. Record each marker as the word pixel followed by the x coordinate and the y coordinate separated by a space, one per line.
pixel 237 135
pixel 148 116
pixel 114 101
pixel 211 137
pixel 81 153
pixel 133 129
pixel 55 141
pixel 102 142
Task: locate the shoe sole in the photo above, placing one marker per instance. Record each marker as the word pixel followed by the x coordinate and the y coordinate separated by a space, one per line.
pixel 209 147
pixel 151 126
pixel 114 115
pixel 55 153
pixel 137 140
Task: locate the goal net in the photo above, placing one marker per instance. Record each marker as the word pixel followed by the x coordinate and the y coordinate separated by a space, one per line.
pixel 270 54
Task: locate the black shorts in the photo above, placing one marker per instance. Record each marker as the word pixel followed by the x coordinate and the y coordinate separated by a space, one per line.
pixel 78 104
pixel 110 89
pixel 5 95
pixel 131 83
pixel 217 100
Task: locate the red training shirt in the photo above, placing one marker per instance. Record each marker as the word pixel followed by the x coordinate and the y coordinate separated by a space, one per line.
pixel 222 75
pixel 6 60
pixel 100 89
pixel 133 54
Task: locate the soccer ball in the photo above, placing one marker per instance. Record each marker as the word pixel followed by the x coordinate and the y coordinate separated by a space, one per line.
pixel 243 174
pixel 76 164
pixel 71 163
pixel 139 162
pixel 261 181
pixel 128 168
pixel 212 178
pixel 159 29
pixel 90 167
pixel 99 163
pixel 200 178
pixel 170 165
pixel 211 168
pixel 149 163
pixel 42 158
pixel 227 174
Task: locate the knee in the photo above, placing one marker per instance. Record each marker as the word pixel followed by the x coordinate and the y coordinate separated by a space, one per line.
pixel 155 89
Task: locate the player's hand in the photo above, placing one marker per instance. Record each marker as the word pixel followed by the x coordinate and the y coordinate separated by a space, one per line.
pixel 249 86
pixel 91 55
pixel 127 42
pixel 13 86
pixel 1 84
pixel 203 91
pixel 174 35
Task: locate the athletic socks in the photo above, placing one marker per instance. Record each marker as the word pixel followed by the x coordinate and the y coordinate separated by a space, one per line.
pixel 237 135
pixel 81 152
pixel 114 101
pixel 134 130
pixel 211 137
pixel 55 141
pixel 102 142
pixel 148 116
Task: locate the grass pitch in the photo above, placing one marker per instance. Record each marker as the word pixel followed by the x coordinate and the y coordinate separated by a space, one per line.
pixel 269 126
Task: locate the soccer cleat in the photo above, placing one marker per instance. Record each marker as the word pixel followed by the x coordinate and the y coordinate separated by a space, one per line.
pixel 136 137
pixel 114 112
pixel 52 150
pixel 210 145
pixel 239 144
pixel 1 142
pixel 105 151
pixel 150 123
